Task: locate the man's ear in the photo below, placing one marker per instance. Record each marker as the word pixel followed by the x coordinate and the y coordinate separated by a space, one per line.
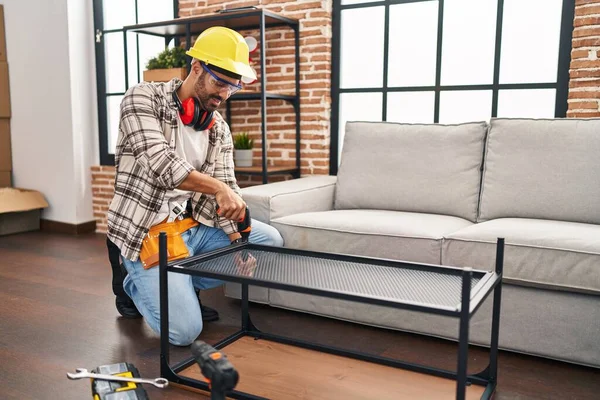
pixel 197 68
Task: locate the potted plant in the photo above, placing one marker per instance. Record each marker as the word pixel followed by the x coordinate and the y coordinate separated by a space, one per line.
pixel 168 64
pixel 243 150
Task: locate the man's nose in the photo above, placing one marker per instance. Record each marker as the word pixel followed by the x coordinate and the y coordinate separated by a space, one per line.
pixel 224 89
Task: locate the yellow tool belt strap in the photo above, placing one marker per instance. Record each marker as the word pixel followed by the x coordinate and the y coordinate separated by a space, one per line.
pixel 176 247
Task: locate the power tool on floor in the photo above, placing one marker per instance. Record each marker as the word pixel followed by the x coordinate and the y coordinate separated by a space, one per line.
pixel 216 368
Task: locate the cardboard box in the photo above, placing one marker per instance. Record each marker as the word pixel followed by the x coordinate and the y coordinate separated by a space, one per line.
pixel 5 179
pixel 4 91
pixel 20 210
pixel 2 35
pixel 5 150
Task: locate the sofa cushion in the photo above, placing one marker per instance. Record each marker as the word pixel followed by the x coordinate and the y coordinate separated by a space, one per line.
pixel 433 169
pixel 541 253
pixel 542 169
pixel 374 233
pixel 277 199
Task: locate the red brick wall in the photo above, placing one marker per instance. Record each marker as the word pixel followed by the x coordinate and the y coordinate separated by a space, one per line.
pixel 584 84
pixel 103 181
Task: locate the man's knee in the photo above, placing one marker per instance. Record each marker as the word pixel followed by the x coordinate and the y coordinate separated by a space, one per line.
pixel 266 234
pixel 272 237
pixel 184 333
pixel 276 239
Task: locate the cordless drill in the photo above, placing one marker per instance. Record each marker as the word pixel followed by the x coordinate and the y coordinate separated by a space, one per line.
pixel 244 225
pixel 216 368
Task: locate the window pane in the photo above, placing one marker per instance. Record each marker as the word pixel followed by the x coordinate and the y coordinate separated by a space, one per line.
pixel 115 67
pixel 468 43
pixel 415 107
pixel 413 41
pixel 527 103
pixel 465 106
pixel 358 107
pixel 150 46
pixel 361 61
pixel 154 10
pixel 113 108
pixel 530 38
pixel 118 13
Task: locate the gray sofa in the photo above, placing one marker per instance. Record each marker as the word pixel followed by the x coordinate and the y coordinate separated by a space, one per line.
pixel 443 194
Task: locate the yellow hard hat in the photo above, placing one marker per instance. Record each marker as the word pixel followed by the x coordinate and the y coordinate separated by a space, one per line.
pixel 224 48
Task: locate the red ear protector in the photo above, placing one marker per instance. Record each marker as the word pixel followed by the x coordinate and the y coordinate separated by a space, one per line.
pixel 192 114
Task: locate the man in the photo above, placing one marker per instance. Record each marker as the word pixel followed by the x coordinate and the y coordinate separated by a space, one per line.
pixel 174 168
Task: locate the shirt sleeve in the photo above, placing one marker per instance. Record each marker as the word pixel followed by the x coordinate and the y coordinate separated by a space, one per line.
pixel 224 171
pixel 144 133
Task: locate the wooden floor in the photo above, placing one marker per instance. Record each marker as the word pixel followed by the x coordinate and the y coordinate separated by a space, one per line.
pixel 57 313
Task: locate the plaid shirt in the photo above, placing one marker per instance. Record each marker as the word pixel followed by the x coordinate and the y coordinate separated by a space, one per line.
pixel 147 165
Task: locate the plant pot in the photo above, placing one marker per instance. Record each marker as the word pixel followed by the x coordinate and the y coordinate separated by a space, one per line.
pixel 164 75
pixel 243 158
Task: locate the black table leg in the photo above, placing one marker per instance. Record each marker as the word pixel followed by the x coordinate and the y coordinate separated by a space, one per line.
pixel 496 312
pixel 463 335
pixel 165 369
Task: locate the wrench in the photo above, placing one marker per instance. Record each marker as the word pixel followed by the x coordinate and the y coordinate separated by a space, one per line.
pixel 83 373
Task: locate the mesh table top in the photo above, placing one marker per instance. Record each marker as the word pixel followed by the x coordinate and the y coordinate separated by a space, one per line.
pixel 396 282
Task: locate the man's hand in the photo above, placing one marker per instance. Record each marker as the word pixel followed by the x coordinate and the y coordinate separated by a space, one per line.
pixel 245 262
pixel 234 236
pixel 231 206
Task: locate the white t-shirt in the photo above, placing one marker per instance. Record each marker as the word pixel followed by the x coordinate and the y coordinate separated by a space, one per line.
pixel 191 145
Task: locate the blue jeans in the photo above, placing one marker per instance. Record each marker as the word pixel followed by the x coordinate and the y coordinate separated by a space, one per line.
pixel 185 318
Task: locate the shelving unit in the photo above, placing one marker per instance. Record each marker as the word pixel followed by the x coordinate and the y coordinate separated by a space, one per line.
pixel 240 19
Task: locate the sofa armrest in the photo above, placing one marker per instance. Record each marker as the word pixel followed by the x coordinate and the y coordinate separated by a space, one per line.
pixel 274 200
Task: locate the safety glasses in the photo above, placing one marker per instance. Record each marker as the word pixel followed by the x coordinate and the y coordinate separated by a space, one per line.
pixel 220 84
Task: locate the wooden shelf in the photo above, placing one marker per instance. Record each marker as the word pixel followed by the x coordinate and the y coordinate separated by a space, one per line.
pixel 250 95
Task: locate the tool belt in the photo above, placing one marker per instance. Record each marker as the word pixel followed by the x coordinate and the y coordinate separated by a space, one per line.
pixel 176 248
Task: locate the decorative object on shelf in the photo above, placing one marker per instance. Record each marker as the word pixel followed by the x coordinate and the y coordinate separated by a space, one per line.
pixel 243 150
pixel 252 43
pixel 168 64
pixel 252 47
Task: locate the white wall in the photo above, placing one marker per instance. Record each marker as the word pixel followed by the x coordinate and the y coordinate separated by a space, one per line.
pixel 53 99
pixel 84 106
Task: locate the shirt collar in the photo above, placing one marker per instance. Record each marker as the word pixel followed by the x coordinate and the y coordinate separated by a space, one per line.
pixel 172 86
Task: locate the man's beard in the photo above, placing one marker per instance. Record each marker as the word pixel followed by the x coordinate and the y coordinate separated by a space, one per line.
pixel 204 97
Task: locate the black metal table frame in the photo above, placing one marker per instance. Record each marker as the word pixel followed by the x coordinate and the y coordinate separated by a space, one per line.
pixel 490 281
